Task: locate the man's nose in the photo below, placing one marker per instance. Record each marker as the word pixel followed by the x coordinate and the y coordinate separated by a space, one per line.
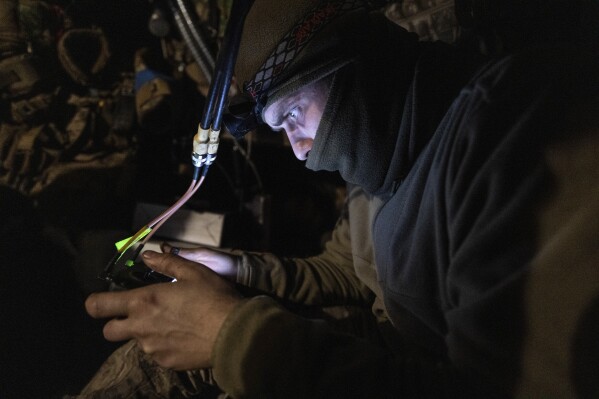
pixel 301 148
pixel 299 153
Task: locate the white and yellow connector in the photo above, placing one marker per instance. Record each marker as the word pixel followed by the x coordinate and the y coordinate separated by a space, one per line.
pixel 212 146
pixel 205 146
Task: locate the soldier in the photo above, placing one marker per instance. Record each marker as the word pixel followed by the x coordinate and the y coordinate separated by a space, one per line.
pixel 479 181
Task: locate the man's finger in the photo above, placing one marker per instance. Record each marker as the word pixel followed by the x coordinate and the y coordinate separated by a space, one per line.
pixel 107 304
pixel 167 264
pixel 118 330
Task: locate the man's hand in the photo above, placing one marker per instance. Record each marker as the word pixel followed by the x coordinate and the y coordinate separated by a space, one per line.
pixel 223 263
pixel 176 323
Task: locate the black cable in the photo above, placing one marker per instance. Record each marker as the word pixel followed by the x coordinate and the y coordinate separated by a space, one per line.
pixel 228 55
pixel 196 173
pixel 199 51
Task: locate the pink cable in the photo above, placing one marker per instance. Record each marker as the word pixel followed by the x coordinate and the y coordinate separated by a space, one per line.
pixel 160 220
pixel 163 214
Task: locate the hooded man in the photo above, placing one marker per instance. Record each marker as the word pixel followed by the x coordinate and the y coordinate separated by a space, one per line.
pixel 477 183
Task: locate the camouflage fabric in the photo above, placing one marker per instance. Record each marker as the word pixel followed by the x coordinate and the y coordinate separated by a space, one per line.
pixel 130 373
pixel 36 151
pixel 48 129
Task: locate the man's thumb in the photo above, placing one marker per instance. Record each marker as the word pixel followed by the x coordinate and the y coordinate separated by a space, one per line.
pixel 165 264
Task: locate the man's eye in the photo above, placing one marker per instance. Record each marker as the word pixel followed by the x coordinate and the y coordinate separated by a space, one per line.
pixel 293 113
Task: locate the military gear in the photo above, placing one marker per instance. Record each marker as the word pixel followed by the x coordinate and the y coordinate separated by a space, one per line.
pixel 31 110
pixel 83 54
pixel 26 156
pixel 18 76
pixel 35 152
pixel 130 373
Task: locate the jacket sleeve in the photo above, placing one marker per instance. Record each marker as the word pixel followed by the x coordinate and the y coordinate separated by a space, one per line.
pixel 264 351
pixel 326 279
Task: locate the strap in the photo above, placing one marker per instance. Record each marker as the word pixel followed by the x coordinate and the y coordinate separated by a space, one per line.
pixel 72 60
pixel 77 126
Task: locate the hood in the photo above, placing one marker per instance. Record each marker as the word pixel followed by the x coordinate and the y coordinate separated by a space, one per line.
pixel 358 133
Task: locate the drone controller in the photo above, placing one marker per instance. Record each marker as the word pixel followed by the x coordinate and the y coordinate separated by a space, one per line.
pixel 125 271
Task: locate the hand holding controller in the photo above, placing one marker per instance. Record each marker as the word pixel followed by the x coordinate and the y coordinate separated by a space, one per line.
pixel 125 271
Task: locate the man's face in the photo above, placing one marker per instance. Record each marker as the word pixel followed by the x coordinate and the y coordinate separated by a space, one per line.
pixel 299 114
